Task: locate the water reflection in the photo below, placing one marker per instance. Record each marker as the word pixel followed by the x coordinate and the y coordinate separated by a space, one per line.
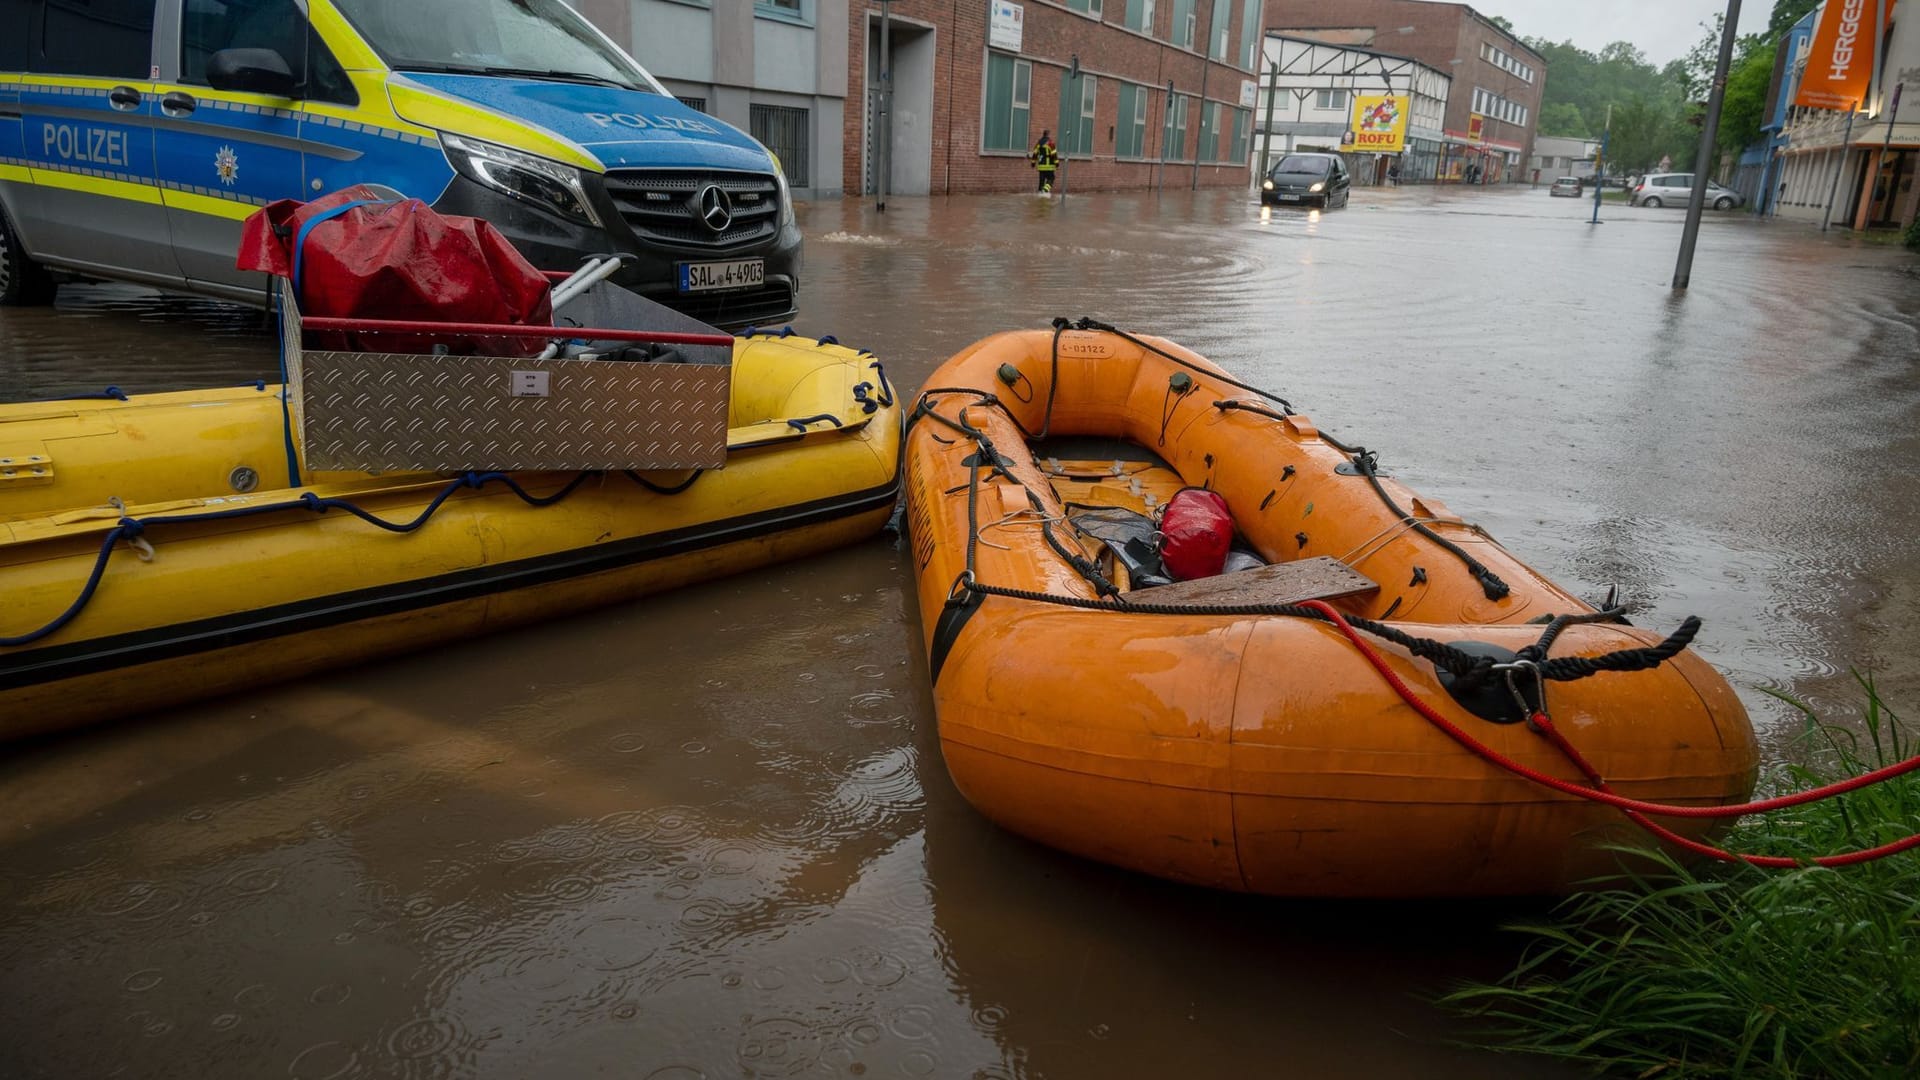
pixel 711 833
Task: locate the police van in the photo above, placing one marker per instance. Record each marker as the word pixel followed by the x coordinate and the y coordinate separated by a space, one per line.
pixel 135 135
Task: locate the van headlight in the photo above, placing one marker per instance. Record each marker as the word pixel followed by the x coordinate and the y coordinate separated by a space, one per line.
pixel 1318 186
pixel 1266 185
pixel 541 181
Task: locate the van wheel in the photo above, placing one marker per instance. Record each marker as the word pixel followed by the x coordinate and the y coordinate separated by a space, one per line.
pixel 1653 201
pixel 1723 203
pixel 23 282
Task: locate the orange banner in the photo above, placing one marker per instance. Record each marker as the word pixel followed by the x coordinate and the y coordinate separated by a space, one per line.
pixel 1840 64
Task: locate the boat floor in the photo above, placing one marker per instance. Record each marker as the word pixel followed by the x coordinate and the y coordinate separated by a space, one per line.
pixel 1098 473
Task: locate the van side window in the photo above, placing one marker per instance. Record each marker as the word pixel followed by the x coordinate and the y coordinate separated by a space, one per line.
pixel 18 16
pixel 111 38
pixel 207 26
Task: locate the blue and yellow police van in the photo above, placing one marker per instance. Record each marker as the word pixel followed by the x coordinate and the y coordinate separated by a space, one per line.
pixel 135 135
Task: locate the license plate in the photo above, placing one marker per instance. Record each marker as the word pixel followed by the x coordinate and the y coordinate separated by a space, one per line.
pixel 1289 198
pixel 713 276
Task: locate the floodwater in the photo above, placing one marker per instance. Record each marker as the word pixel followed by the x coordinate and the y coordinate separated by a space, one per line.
pixel 710 835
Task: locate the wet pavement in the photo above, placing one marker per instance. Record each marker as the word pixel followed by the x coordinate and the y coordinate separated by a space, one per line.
pixel 709 835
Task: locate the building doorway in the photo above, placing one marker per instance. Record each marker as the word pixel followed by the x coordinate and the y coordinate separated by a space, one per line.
pixel 911 49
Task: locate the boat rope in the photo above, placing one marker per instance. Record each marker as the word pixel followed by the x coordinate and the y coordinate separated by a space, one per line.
pixel 1363 460
pixel 133 530
pixel 1468 669
pixel 1378 542
pixel 1635 809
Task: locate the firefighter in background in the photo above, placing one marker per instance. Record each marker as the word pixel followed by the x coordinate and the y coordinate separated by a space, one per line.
pixel 1045 159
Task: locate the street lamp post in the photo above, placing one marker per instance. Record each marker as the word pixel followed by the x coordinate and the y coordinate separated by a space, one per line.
pixel 1709 132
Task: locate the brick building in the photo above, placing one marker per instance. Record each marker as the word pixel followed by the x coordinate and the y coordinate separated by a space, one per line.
pixel 976 81
pixel 1493 110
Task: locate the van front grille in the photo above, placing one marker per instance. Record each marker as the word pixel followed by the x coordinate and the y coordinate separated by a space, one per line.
pixel 665 206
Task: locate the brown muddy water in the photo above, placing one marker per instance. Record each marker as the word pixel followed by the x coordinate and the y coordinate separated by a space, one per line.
pixel 710 835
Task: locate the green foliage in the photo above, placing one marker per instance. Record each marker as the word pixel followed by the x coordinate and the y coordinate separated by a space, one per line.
pixel 1724 970
pixel 1745 104
pixel 1563 119
pixel 1785 14
pixel 1912 239
pixel 1647 102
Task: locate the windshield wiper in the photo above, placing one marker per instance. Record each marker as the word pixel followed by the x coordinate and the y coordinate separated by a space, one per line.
pixel 525 73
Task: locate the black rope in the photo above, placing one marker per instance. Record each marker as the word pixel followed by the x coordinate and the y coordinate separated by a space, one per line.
pixel 662 489
pixel 1053 377
pixel 1089 323
pixel 1490 582
pixel 1439 653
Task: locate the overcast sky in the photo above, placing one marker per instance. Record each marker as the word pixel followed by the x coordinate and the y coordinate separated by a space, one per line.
pixel 1663 29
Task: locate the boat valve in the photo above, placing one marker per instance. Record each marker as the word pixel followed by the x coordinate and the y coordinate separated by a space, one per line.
pixel 1009 374
pixel 1180 383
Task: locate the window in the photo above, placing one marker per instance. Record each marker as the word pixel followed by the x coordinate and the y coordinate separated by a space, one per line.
pixel 17 16
pixel 783 130
pixel 1330 99
pixel 1184 23
pixel 1009 102
pixel 697 104
pixel 1131 139
pixel 1077 115
pixel 1139 16
pixel 1173 137
pixel 111 38
pixel 1220 29
pixel 800 11
pixel 1090 7
pixel 1209 132
pixel 207 26
pixel 1249 32
pixel 482 35
pixel 1242 128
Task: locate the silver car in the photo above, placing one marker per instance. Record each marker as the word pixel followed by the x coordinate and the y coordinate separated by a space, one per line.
pixel 1674 189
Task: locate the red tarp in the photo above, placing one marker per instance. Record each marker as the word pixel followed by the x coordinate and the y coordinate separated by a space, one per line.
pixel 397 260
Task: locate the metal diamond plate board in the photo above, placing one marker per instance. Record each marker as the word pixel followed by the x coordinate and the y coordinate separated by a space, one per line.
pixel 401 411
pixel 398 411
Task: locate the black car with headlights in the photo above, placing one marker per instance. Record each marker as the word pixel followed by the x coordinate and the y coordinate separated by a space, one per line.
pixel 1307 179
pixel 148 131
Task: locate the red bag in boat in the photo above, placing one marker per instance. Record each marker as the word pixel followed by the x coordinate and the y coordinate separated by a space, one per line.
pixel 1196 532
pixel 353 254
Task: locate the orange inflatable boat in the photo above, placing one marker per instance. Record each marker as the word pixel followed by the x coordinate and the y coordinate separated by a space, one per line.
pixel 1225 730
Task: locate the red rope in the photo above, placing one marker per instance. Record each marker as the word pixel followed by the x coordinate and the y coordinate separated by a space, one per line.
pixel 1636 809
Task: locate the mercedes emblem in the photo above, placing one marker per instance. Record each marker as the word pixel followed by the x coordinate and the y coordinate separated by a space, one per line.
pixel 714 207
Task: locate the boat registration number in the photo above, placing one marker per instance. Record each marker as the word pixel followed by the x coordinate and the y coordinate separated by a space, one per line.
pixel 713 276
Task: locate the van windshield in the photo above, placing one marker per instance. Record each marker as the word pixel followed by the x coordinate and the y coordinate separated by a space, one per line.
pixel 1299 163
pixel 540 39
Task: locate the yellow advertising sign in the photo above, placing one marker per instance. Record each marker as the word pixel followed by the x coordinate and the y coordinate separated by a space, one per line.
pixel 1840 64
pixel 1476 127
pixel 1379 123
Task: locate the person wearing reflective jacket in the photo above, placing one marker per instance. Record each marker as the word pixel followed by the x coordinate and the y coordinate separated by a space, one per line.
pixel 1045 159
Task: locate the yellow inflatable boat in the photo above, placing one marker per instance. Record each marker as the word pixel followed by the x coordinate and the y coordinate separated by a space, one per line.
pixel 145 560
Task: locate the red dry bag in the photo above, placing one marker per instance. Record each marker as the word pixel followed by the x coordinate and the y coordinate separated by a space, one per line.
pixel 353 254
pixel 1196 532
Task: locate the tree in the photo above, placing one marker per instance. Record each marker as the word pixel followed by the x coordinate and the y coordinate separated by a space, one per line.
pixel 1785 14
pixel 1502 22
pixel 1744 107
pixel 1563 119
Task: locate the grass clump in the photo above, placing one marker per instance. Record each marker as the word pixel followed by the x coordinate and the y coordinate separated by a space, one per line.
pixel 1726 970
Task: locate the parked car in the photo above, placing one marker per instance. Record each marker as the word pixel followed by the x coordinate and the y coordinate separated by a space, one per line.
pixel 1566 185
pixel 143 131
pixel 1674 189
pixel 1307 179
